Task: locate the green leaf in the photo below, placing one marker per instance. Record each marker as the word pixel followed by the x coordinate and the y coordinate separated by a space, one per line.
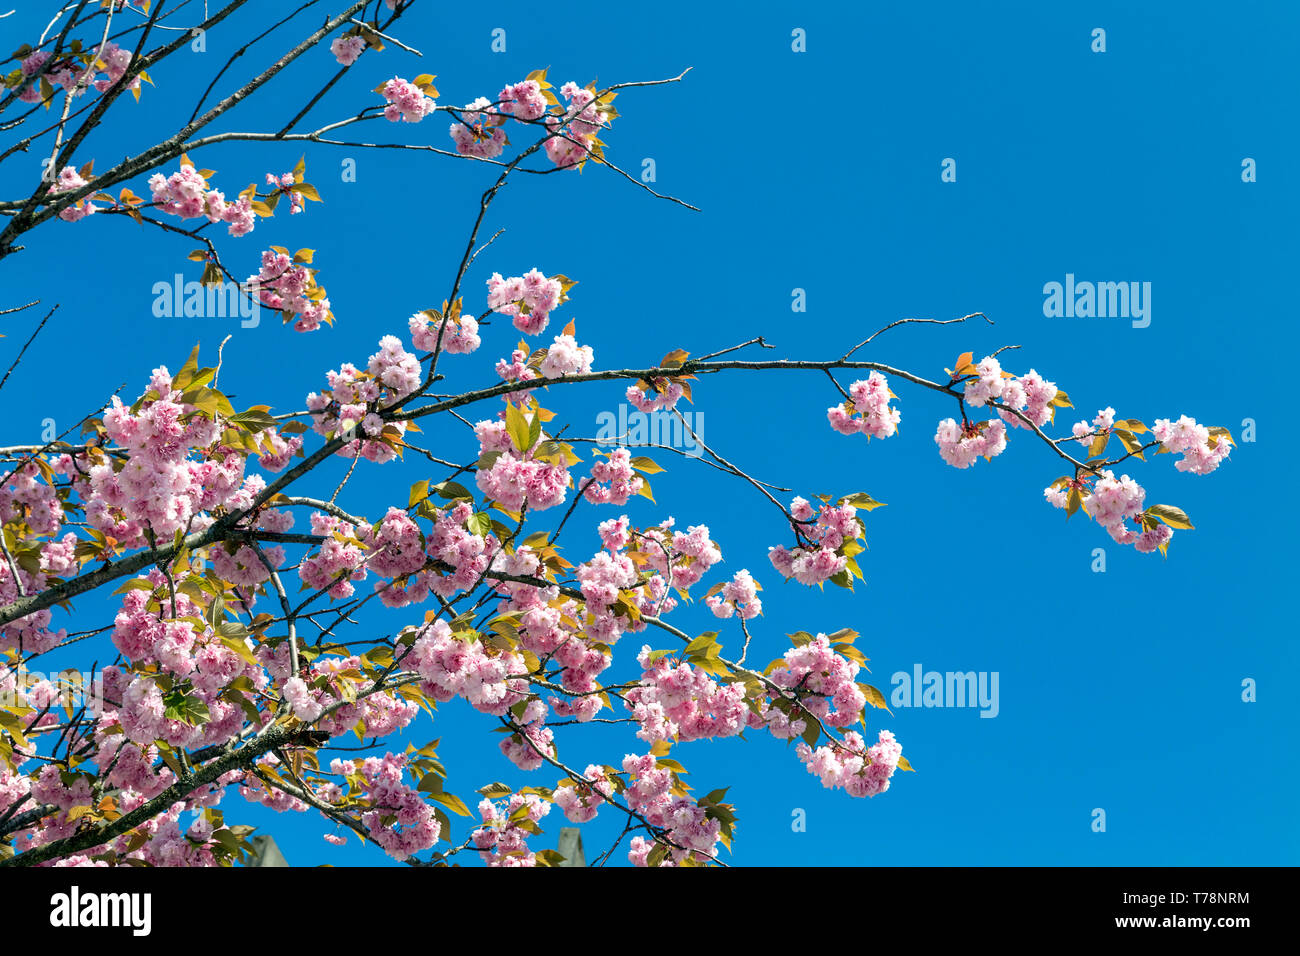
pixel 702 644
pixel 862 500
pixel 183 378
pixel 419 491
pixel 452 490
pixel 1072 502
pixel 648 465
pixel 452 802
pixel 1130 442
pixel 255 419
pixel 479 523
pixel 1172 516
pixel 1099 443
pixel 518 427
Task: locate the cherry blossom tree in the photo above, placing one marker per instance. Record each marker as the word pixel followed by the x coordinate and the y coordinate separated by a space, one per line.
pixel 196 516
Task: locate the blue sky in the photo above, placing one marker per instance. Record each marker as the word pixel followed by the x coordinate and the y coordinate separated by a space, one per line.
pixel 821 171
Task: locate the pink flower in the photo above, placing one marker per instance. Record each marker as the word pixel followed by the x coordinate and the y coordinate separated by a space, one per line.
pixel 566 357
pixel 406 101
pixel 870 399
pixel 1202 451
pixel 346 49
pixel 960 446
pixel 527 299
pixel 523 100
pixel 478 132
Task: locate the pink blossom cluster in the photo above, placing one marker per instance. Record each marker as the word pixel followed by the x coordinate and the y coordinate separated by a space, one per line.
pixel 401 821
pixel 133 766
pixel 337 685
pixel 1112 503
pixel 528 299
pixel 460 665
pixel 684 703
pixel 740 594
pixel 116 61
pixel 548 625
pixel 581 709
pixel 529 749
pixel 681 557
pixel 1031 395
pixel 987 383
pixel 65 73
pixel 516 478
pixel 166 841
pixel 517 369
pixel 301 701
pixel 159 487
pixel 870 400
pixel 1193 442
pixel 68 180
pixel 615 533
pixel 187 195
pixel 178 647
pixel 291 288
pixel 339 560
pixel 610 584
pixel 394 368
pixel 240 566
pixel 523 100
pixel 48 787
pixel 465 553
pixel 143 719
pixel 134 770
pixel 662 394
pixel 503 837
pixel 962 445
pixel 350 407
pixel 573 135
pixel 284 183
pixel 580 663
pixel 581 800
pixel 825 682
pixel 459 336
pixel 603 577
pixel 277 450
pixel 844 766
pixel 406 101
pixel 613 481
pixel 566 357
pixel 73 77
pixel 347 48
pixel 1101 423
pixel 686 823
pixel 396 544
pixel 24 497
pixel 478 132
pixel 254 790
pixel 826 530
